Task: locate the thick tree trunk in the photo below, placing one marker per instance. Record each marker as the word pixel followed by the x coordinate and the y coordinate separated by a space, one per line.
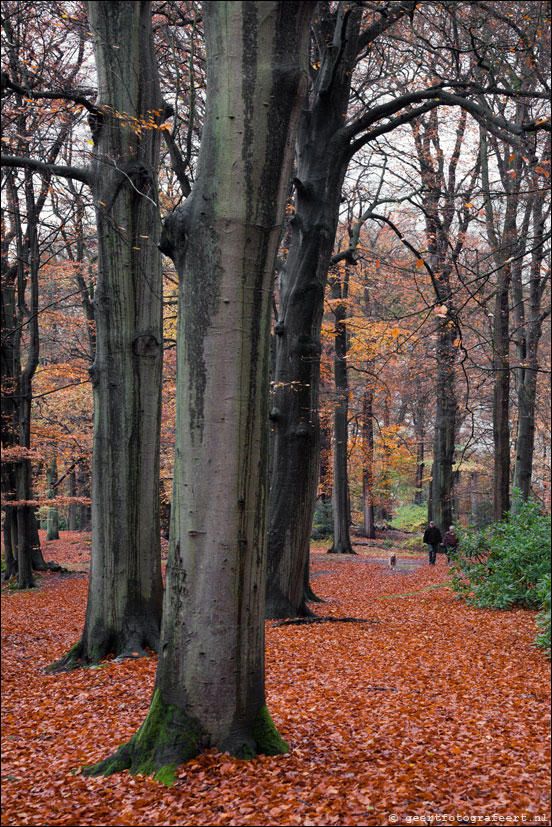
pixel 369 522
pixel 419 480
pixel 10 545
pixel 445 428
pixel 419 430
pixel 529 329
pixel 52 520
pixel 525 442
pixel 72 522
pixel 321 162
pixel 210 678
pixel 18 313
pixel 123 613
pixel 501 397
pixel 340 499
pixel 83 488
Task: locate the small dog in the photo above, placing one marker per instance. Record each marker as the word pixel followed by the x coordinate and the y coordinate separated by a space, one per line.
pixel 392 560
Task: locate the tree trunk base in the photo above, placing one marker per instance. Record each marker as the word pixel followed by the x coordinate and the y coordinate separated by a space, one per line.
pixel 310 597
pixel 345 548
pixel 49 566
pixel 10 570
pixel 279 607
pixel 82 655
pixel 169 737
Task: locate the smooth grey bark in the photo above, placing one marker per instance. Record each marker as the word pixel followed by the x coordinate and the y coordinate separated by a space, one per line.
pixel 123 613
pixel 209 687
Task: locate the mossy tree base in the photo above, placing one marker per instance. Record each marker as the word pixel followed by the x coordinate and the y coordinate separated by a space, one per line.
pixel 169 737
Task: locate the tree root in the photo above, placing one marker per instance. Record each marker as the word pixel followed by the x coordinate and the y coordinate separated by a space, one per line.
pixel 300 620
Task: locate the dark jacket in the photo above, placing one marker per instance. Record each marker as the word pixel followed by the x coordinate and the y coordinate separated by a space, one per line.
pixel 451 539
pixel 432 536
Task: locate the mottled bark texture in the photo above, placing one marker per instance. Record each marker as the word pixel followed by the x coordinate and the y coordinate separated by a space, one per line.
pixel 123 614
pixel 210 678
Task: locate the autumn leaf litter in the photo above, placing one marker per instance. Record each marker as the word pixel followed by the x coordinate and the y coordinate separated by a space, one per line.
pixel 435 709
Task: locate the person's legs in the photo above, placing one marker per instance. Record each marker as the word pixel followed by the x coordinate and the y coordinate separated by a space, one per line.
pixel 432 554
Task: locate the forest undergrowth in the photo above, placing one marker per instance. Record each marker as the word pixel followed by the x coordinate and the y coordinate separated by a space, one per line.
pixel 431 712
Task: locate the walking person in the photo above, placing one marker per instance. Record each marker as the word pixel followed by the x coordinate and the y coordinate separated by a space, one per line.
pixel 451 542
pixel 432 537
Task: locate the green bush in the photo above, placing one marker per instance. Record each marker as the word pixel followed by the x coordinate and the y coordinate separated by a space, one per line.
pixel 410 518
pixel 500 566
pixel 543 618
pixel 508 564
pixel 415 544
pixel 322 524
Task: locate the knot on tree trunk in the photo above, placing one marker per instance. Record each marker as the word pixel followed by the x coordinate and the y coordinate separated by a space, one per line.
pixel 145 345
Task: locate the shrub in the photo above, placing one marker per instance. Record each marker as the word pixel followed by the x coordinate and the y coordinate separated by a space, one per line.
pixel 322 524
pixel 410 518
pixel 508 564
pixel 500 566
pixel 414 544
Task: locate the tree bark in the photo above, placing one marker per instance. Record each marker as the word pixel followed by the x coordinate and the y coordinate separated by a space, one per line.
pixel 419 416
pixel 123 613
pixel 321 162
pixel 52 520
pixel 72 481
pixel 445 428
pixel 369 524
pixel 501 396
pixel 529 318
pixel 209 687
pixel 340 499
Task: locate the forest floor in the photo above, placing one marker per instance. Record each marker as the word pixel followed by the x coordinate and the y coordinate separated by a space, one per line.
pixel 432 712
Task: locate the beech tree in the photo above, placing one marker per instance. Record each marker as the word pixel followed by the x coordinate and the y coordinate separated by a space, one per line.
pixel 125 592
pixel 26 196
pixel 530 312
pixel 209 687
pixel 391 43
pixel 515 232
pixel 339 290
pixel 444 199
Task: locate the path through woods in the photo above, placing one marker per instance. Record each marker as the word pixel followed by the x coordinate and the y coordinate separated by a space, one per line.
pixel 436 709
